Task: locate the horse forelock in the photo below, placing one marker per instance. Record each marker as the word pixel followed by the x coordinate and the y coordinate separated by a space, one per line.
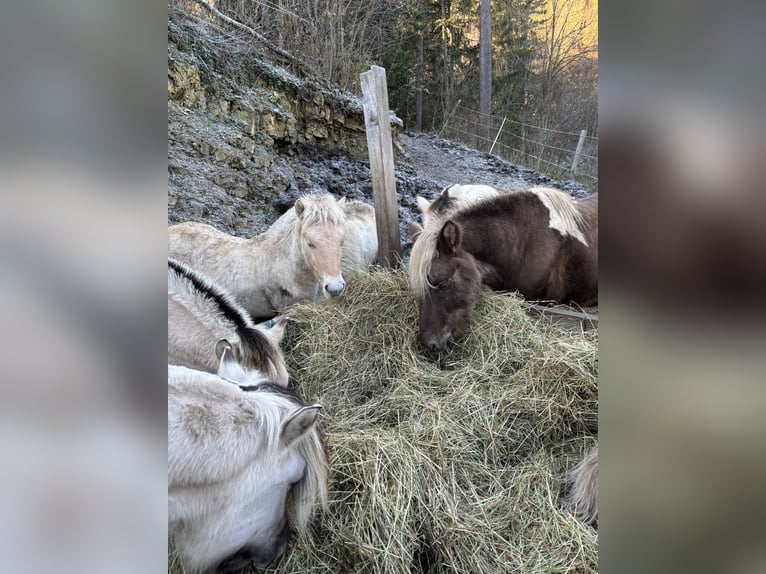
pixel 322 209
pixel 259 352
pixel 422 254
pixel 564 215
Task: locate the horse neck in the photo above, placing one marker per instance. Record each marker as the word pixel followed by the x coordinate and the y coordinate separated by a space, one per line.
pixel 281 245
pixel 500 245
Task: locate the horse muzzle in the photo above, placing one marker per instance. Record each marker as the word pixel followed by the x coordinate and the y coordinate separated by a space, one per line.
pixel 437 343
pixel 333 287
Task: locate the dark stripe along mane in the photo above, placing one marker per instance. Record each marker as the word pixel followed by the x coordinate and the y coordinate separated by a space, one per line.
pixel 274 388
pixel 255 345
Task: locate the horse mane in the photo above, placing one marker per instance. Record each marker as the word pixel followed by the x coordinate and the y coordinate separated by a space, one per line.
pixel 312 448
pixel 313 486
pixel 268 403
pixel 199 292
pixel 357 210
pixel 564 217
pixel 318 209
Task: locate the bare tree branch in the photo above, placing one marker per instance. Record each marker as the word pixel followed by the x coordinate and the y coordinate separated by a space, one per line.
pixel 258 36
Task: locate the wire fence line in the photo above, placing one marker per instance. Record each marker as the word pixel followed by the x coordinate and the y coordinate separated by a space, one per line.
pixel 544 148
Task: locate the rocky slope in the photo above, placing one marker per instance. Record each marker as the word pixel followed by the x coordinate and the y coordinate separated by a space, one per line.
pixel 245 138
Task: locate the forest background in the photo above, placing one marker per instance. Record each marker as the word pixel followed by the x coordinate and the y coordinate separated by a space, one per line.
pixel 530 95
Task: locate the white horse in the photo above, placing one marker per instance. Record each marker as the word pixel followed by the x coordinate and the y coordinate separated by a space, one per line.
pixel 241 464
pixel 582 481
pixel 361 246
pixel 298 257
pixel 209 331
pixel 451 198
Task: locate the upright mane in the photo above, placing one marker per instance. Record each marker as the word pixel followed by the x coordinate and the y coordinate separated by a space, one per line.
pixel 564 217
pixel 182 277
pixel 215 305
pixel 318 209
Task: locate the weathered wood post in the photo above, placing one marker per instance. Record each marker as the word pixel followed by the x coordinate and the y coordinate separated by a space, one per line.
pixel 377 121
pixel 577 152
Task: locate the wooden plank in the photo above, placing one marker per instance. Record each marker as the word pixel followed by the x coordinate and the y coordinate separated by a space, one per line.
pixel 586 320
pixel 377 121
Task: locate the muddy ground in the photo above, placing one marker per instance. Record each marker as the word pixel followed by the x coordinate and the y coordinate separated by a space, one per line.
pixel 200 188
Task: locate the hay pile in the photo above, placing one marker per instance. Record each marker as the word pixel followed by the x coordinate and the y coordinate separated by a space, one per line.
pixel 453 466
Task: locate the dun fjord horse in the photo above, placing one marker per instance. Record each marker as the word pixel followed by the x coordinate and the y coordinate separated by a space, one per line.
pixel 296 259
pixel 538 242
pixel 582 496
pixel 242 462
pixel 361 246
pixel 209 331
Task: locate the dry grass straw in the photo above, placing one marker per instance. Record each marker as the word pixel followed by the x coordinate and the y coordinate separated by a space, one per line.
pixel 448 465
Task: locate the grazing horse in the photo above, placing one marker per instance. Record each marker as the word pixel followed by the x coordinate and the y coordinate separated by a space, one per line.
pixel 452 197
pixel 361 246
pixel 582 495
pixel 209 331
pixel 242 463
pixel 539 242
pixel 298 257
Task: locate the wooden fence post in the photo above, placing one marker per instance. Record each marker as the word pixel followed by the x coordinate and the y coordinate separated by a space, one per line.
pixel 377 122
pixel 498 135
pixel 576 157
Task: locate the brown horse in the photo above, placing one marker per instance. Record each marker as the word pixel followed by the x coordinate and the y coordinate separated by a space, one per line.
pixel 539 242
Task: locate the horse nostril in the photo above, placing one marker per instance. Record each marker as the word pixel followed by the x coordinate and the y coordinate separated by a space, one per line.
pixel 334 291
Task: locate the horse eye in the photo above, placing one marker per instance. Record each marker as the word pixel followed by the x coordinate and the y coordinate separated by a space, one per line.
pixel 311 245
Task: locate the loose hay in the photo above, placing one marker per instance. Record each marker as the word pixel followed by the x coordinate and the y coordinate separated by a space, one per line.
pixel 448 465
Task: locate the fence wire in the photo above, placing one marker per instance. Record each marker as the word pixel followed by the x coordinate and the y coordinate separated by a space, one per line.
pixel 544 148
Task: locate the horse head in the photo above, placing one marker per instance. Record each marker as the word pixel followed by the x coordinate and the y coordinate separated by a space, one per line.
pixel 322 234
pixel 243 465
pixel 452 287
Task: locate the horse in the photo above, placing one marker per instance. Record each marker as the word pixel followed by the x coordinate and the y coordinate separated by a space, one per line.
pixel 209 331
pixel 298 257
pixel 243 463
pixel 539 242
pixel 360 249
pixel 582 494
pixel 460 195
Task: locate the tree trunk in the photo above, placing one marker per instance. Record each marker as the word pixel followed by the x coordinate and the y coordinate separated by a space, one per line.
pixel 419 87
pixel 445 46
pixel 485 73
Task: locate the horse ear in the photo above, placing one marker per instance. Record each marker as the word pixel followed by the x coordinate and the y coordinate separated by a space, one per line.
pixel 298 424
pixel 221 348
pixel 445 191
pixel 299 207
pixel 414 229
pixel 228 367
pixel 277 329
pixel 423 204
pixel 449 237
pixel 342 202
